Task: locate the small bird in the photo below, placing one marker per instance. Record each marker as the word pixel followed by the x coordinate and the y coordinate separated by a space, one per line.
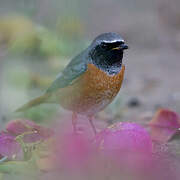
pixel 90 81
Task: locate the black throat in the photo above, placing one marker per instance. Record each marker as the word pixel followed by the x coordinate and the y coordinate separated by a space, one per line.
pixel 108 61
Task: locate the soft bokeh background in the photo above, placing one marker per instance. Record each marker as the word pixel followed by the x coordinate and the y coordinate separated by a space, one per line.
pixel 39 37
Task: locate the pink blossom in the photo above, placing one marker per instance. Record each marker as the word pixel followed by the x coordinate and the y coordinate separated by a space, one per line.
pixel 127 144
pixel 125 137
pixel 164 125
pixel 74 151
pixel 25 129
pixel 122 151
pixel 32 132
pixel 8 145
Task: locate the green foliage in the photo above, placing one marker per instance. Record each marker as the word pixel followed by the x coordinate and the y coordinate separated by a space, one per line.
pixel 40 113
pixel 19 79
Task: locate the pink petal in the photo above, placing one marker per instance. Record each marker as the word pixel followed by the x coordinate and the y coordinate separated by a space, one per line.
pixel 125 137
pixel 73 150
pixel 164 125
pixel 20 126
pixel 8 145
pixel 127 144
pixel 122 151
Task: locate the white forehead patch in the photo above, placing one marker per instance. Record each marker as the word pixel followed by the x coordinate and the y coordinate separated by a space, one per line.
pixel 113 41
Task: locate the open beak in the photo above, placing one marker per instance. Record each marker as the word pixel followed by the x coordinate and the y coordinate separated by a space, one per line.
pixel 121 47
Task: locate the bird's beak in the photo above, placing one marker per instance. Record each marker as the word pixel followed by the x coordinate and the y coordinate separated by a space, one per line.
pixel 121 47
pixel 124 46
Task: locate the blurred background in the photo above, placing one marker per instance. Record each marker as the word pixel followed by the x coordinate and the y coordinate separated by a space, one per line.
pixel 39 37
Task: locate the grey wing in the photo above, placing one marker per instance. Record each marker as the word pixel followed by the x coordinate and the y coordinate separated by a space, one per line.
pixel 74 69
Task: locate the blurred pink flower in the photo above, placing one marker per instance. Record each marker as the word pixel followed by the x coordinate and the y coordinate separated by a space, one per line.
pixel 127 144
pixel 20 126
pixel 122 151
pixel 8 145
pixel 125 137
pixel 36 132
pixel 29 131
pixel 164 125
pixel 74 151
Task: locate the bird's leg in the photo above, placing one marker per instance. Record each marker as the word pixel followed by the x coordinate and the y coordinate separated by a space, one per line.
pixel 90 118
pixel 74 121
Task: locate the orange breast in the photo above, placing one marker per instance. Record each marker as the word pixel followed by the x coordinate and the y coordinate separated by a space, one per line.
pixel 92 91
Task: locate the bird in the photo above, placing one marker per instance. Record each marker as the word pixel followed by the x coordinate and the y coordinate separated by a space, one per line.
pixel 90 81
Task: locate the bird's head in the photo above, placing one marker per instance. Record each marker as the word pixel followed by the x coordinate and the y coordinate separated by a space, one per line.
pixel 106 52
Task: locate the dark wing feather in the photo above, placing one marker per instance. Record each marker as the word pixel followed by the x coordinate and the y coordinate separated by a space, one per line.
pixel 74 69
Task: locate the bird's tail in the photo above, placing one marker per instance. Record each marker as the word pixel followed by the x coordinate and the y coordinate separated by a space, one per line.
pixel 37 101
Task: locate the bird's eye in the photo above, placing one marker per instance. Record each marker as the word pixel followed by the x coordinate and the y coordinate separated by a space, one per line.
pixel 104 45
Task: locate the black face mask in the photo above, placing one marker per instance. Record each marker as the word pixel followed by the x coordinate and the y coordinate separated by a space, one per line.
pixel 108 56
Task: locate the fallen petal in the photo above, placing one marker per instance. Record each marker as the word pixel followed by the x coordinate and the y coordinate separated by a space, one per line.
pixel 74 151
pixel 20 126
pixel 125 137
pixel 164 125
pixel 127 144
pixel 8 145
pixel 32 132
